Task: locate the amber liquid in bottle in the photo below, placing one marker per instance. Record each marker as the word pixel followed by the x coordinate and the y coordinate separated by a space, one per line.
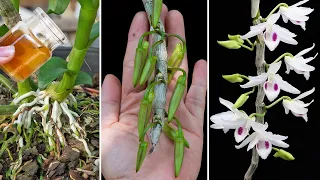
pixel 30 55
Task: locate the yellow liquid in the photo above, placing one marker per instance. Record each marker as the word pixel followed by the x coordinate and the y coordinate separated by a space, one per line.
pixel 29 56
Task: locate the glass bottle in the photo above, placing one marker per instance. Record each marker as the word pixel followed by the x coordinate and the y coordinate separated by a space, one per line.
pixel 34 41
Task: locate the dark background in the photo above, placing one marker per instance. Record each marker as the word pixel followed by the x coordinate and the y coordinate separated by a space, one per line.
pixel 226 162
pixel 117 17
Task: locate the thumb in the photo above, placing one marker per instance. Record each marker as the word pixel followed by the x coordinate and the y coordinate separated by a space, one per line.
pixel 6 54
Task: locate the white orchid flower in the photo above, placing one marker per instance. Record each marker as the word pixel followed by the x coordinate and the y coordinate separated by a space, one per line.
pixel 263 140
pixel 298 107
pixel 297 15
pixel 299 64
pixel 272 82
pixel 233 119
pixel 273 33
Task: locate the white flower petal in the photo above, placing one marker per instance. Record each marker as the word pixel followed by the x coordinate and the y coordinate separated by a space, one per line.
pixel 271 90
pixel 274 67
pixel 295 14
pixel 284 18
pixel 305 117
pixel 255 80
pixel 288 68
pixel 283 31
pixel 306 75
pixel 226 103
pixel 225 130
pixel 264 149
pixel 252 33
pixel 285 85
pixel 261 26
pixel 273 18
pixel 286 110
pixel 246 141
pixel 305 94
pixel 296 63
pixel 276 137
pixel 240 133
pixel 258 127
pixel 216 126
pixel 309 59
pixel 253 143
pixel 294 107
pixel 305 10
pixel 299 3
pixel 271 39
pixel 303 52
pixel 279 143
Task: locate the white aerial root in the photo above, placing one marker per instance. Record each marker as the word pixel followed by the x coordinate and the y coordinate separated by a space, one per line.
pixel 84 144
pixel 41 105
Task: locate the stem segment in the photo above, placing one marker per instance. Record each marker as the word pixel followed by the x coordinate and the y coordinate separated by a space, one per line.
pixel 161 72
pixel 77 54
pixel 260 64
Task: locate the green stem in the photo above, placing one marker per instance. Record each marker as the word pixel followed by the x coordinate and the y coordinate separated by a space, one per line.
pixel 277 101
pixel 280 57
pixel 153 46
pixel 16 4
pixel 244 77
pixel 274 10
pixel 6 82
pixel 144 35
pixel 146 130
pixel 77 54
pixel 250 92
pixel 258 115
pixel 181 39
pixel 8 110
pixel 23 88
pixel 9 153
pixel 179 69
pixel 249 42
pixel 276 149
pixel 247 47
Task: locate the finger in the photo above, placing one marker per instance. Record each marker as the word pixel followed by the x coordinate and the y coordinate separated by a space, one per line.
pixel 175 25
pixel 196 97
pixel 110 100
pixel 6 54
pixel 139 26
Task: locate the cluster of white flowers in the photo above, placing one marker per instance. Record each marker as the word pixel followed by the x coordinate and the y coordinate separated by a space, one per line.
pixel 272 83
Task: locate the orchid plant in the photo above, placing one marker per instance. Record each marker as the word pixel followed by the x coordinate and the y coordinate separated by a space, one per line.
pixel 44 110
pixel 268 82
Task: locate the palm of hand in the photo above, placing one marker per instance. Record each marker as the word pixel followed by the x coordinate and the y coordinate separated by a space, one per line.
pixel 120 117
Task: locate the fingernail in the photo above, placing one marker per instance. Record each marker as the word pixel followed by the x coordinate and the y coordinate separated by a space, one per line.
pixel 7 51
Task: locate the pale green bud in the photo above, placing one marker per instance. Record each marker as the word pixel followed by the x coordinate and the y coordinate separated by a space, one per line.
pixel 236 38
pixel 240 101
pixel 231 44
pixel 283 154
pixel 234 78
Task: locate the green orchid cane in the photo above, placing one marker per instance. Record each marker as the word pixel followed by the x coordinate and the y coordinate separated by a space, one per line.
pixel 178 149
pixel 150 64
pixel 177 94
pixel 88 13
pixel 146 108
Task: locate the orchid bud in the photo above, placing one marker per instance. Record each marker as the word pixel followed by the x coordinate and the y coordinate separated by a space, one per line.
pixel 142 152
pixel 148 69
pixel 233 78
pixel 178 150
pixel 177 56
pixel 172 133
pixel 231 44
pixel 145 47
pixel 177 96
pixel 236 38
pixel 283 154
pixel 137 65
pixel 157 7
pixel 240 101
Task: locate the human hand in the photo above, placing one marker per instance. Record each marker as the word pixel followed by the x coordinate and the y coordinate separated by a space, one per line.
pixel 6 54
pixel 120 107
